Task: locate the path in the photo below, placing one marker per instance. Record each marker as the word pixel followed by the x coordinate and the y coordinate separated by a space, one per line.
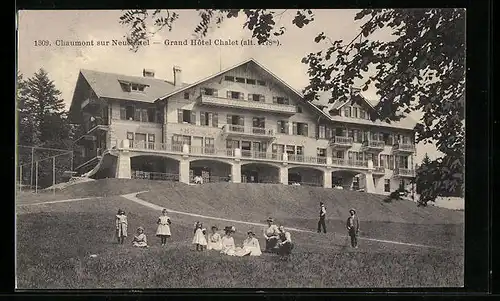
pixel 133 197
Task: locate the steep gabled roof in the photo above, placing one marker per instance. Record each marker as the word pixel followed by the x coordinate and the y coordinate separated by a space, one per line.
pixel 264 69
pixel 108 85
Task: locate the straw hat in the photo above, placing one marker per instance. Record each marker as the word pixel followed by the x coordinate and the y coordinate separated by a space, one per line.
pixel 215 227
pixel 140 229
pixel 352 210
pixel 250 232
pixel 270 219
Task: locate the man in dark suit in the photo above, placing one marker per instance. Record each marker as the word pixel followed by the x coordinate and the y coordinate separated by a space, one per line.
pixel 322 216
pixel 352 226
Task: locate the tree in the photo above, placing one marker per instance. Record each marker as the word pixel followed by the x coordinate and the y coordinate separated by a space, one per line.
pixel 421 68
pixel 42 121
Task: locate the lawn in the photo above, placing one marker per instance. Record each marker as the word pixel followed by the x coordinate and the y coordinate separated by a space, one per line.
pixel 55 241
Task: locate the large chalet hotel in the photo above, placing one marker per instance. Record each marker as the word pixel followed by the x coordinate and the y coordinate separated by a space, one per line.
pixel 243 124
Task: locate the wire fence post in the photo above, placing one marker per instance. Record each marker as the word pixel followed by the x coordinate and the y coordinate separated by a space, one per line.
pixel 54 175
pixel 32 162
pixel 20 178
pixel 36 177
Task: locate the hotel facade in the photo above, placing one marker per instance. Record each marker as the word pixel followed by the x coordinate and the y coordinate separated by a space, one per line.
pixel 243 124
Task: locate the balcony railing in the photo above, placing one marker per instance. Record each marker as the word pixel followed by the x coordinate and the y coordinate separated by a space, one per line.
pixel 378 170
pixel 341 141
pixel 248 131
pixel 156 176
pixel 373 145
pixel 247 104
pixel 307 159
pixel 398 147
pixel 349 162
pixel 404 172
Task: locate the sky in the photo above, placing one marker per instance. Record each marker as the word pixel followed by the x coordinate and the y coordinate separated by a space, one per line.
pixel 197 62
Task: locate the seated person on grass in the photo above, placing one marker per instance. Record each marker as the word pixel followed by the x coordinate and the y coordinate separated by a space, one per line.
pixel 140 239
pixel 251 246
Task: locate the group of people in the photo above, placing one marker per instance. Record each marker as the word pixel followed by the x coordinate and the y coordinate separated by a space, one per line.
pixel 277 239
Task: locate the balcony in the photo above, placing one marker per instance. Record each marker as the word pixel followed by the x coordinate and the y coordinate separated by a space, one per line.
pixel 90 103
pixel 404 172
pixel 373 146
pixel 403 148
pixel 96 125
pixel 247 105
pixel 349 163
pixel 341 142
pixel 239 131
pixel 378 170
pixel 307 159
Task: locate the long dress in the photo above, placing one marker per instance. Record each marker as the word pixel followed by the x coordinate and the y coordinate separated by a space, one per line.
pixel 163 226
pixel 121 225
pixel 199 238
pixel 271 235
pixel 140 240
pixel 228 246
pixel 250 247
pixel 214 242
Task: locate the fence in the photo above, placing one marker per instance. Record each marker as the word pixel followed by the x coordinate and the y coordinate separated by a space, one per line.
pixel 42 167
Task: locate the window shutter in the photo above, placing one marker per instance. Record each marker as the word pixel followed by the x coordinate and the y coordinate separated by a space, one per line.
pixel 287 128
pixel 294 128
pixel 241 121
pixel 275 99
pixel 137 115
pixel 262 98
pixel 193 117
pixel 229 119
pixel 306 132
pixel 215 120
pixel 210 119
pixel 250 96
pixel 242 96
pixel 215 93
pixel 179 115
pixel 328 133
pixel 228 94
pixel 123 113
pixel 202 118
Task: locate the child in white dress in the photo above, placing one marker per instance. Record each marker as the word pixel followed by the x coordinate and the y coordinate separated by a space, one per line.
pixel 121 226
pixel 140 239
pixel 251 246
pixel 199 237
pixel 228 246
pixel 163 231
pixel 214 240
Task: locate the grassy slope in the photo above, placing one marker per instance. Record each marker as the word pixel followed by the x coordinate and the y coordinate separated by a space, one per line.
pixel 54 241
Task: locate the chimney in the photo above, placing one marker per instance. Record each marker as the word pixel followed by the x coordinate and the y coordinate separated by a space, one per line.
pixel 177 76
pixel 148 73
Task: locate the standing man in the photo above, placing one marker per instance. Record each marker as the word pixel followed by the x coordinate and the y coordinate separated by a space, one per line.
pixel 352 226
pixel 322 216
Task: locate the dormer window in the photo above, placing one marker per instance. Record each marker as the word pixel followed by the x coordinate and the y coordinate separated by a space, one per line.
pixel 132 87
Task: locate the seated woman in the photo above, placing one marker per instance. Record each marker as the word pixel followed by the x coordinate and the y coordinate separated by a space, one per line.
pixel 227 241
pixel 251 246
pixel 140 239
pixel 214 240
pixel 285 244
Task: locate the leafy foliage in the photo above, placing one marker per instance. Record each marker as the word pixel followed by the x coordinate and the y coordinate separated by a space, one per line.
pixel 421 67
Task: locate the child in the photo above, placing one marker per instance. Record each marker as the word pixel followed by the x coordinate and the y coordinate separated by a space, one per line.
pixel 199 237
pixel 140 239
pixel 163 231
pixel 214 240
pixel 121 226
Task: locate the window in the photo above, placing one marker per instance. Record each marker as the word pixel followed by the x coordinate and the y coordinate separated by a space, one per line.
pixel 151 141
pixel 208 91
pixel 125 86
pixel 250 81
pixel 347 111
pixel 406 140
pixel 235 120
pixel 339 154
pixel 130 136
pixel 402 184
pixel 328 133
pixel 209 145
pixel 321 152
pixel 387 185
pixel 375 160
pixel 391 161
pixel 281 100
pixel 186 95
pixel 186 116
pixel 151 114
pixel 209 119
pixel 234 95
pixel 355 112
pixel 290 149
pixel 321 132
pixel 299 109
pixel 259 122
pixel 256 97
pixel 240 80
pixel 283 127
pixel 229 78
pixel 403 162
pixel 362 114
pixel 127 112
pixel 300 128
pixel 261 82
